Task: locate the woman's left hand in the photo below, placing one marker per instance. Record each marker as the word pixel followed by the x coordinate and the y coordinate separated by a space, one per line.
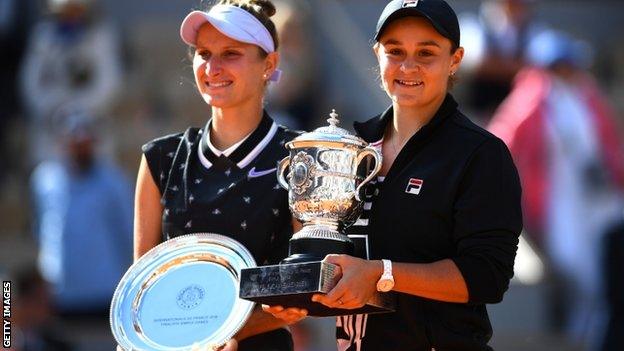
pixel 231 345
pixel 289 315
pixel 357 285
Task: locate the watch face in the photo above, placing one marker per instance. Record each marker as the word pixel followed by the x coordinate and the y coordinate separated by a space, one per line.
pixel 385 285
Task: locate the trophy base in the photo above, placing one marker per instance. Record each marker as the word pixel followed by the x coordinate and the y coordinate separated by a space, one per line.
pixel 293 284
pixel 314 242
pixel 312 250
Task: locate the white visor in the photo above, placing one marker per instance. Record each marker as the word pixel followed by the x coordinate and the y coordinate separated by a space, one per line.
pixel 235 23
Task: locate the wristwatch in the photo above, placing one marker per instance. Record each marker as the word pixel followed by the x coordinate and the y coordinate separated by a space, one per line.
pixel 386 282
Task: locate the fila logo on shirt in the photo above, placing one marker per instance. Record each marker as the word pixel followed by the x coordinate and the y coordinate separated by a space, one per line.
pixel 413 186
pixel 410 3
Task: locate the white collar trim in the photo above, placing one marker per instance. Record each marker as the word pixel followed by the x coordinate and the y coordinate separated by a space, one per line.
pixel 250 157
pixel 227 152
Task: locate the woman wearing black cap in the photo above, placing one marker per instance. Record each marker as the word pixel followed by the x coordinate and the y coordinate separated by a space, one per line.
pixel 221 178
pixel 443 221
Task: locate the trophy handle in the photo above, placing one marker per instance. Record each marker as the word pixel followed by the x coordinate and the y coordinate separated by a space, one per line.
pixel 283 164
pixel 367 151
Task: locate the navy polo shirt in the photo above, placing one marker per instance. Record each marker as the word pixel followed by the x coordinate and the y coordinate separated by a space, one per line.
pixel 237 196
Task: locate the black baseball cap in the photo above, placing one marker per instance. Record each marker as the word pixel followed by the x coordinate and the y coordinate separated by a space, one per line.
pixel 438 12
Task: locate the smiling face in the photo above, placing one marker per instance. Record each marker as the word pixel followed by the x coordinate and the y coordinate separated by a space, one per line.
pixel 415 62
pixel 229 73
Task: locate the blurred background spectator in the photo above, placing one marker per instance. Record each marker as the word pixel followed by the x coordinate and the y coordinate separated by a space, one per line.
pixel 72 57
pixel 564 140
pixel 16 17
pixel 496 43
pixel 82 207
pixel 119 62
pixel 34 324
pixel 15 21
pixel 613 261
pixel 295 98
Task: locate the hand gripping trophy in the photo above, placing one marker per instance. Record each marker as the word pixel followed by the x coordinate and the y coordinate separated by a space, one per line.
pixel 328 169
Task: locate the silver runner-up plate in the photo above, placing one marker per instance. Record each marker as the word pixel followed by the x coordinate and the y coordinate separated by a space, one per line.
pixel 182 295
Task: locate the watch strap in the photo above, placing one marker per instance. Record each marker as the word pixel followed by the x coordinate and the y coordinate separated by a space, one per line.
pixel 387 268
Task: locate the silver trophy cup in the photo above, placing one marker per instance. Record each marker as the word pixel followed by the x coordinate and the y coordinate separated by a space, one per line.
pixel 328 169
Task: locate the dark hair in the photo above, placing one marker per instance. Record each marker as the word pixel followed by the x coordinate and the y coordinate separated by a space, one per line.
pixel 262 10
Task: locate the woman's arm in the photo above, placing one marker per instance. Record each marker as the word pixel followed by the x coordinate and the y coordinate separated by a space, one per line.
pixel 487 221
pixel 444 281
pixel 262 321
pixel 440 280
pixel 147 212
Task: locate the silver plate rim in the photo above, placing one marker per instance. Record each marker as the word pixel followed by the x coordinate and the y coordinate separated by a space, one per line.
pixel 182 244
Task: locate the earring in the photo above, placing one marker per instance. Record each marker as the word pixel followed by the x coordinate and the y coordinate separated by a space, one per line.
pixel 265 76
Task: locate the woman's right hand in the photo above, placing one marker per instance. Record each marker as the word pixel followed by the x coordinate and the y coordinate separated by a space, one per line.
pixel 289 315
pixel 231 345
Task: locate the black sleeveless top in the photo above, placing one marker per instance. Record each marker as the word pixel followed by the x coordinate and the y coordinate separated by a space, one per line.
pixel 236 195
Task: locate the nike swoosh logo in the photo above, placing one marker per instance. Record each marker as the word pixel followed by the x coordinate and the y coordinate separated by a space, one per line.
pixel 253 174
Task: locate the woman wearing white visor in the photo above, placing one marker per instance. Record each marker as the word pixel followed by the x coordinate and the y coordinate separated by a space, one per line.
pixel 221 178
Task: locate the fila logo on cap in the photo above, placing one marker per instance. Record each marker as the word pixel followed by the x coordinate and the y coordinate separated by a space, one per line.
pixel 410 3
pixel 413 186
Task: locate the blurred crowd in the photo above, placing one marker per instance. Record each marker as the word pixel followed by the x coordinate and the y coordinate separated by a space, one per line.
pixel 66 80
pixel 533 88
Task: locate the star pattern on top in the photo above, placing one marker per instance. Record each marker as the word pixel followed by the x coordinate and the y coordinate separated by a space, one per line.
pixel 214 198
